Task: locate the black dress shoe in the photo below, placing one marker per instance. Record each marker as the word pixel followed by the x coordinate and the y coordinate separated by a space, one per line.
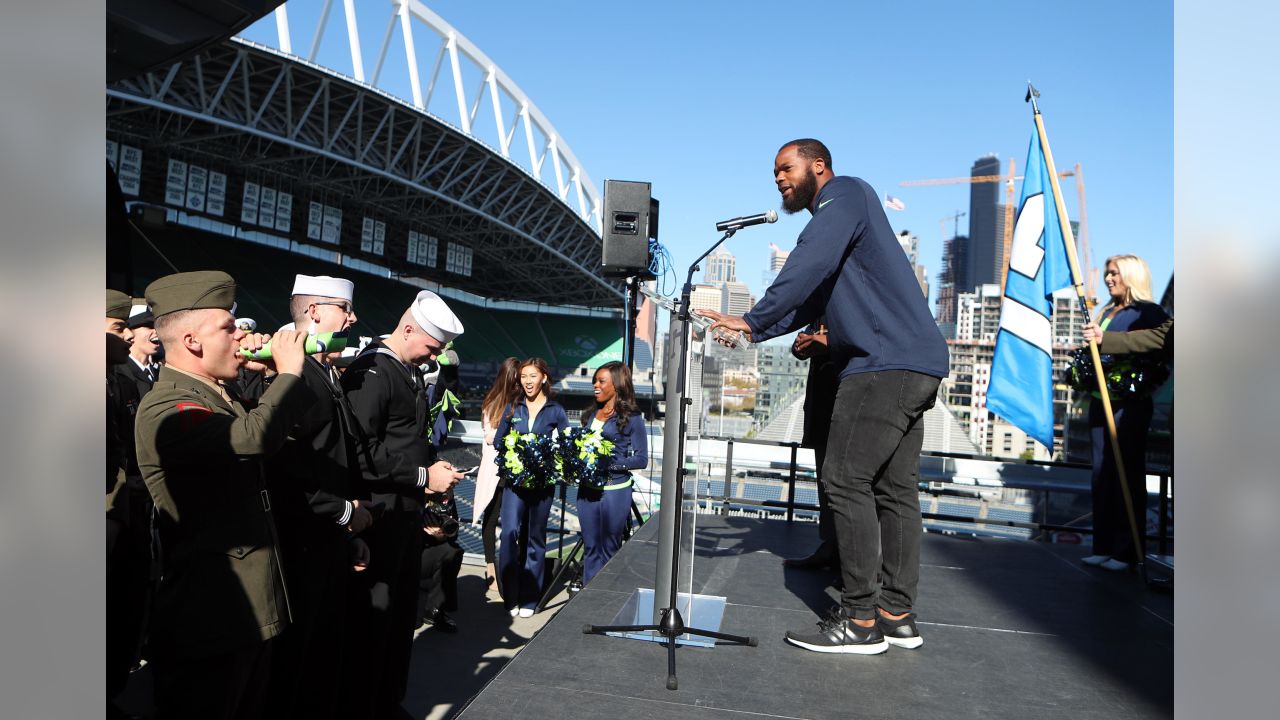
pixel 822 559
pixel 441 621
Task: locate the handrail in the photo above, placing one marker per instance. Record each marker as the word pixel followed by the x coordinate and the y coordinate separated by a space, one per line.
pixel 790 505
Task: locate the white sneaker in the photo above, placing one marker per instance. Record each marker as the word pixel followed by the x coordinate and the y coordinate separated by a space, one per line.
pixel 1115 565
pixel 515 611
pixel 1095 560
pixel 528 612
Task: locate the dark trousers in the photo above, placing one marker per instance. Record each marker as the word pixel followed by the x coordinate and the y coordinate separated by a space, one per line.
pixel 871 472
pixel 826 522
pixel 127 588
pixel 603 514
pixel 383 616
pixel 228 686
pixel 438 576
pixel 1111 532
pixel 306 667
pixel 489 526
pixel 521 565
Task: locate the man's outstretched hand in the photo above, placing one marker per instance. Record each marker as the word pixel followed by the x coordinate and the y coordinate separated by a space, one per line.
pixel 731 323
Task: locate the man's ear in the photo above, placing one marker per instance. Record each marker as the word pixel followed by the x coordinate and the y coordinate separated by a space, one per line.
pixel 819 166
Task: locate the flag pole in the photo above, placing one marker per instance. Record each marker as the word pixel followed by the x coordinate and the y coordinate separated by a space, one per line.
pixel 1078 283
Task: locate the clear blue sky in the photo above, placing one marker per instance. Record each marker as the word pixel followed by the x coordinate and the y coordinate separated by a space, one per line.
pixel 695 97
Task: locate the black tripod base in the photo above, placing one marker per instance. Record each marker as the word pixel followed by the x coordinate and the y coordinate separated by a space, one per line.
pixel 671 627
pixel 568 566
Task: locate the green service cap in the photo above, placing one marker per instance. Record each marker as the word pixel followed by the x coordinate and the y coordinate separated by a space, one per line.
pixel 118 305
pixel 191 291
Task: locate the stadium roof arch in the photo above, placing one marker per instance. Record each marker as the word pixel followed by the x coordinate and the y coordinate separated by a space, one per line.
pixel 254 139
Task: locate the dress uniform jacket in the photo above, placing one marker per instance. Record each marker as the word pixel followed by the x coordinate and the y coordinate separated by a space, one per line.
pixel 221 586
pixel 133 373
pixel 390 405
pixel 130 383
pixel 117 455
pixel 316 468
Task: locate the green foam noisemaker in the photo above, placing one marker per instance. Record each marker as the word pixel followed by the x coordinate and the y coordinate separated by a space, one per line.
pixel 323 342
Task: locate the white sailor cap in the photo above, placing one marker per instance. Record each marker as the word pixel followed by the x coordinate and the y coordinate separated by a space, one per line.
pixel 434 316
pixel 324 286
pixel 140 315
pixel 247 324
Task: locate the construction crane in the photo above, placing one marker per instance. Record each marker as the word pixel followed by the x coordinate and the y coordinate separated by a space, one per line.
pixel 1091 273
pixel 942 229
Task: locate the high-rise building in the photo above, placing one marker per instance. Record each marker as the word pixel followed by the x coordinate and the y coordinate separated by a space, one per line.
pixel 720 267
pixel 735 298
pixel 777 258
pixel 950 280
pixel 911 246
pixel 986 247
pixel 782 380
pixel 706 297
pixel 972 351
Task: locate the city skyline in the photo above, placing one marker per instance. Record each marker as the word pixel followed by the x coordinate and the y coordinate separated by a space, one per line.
pixel 702 133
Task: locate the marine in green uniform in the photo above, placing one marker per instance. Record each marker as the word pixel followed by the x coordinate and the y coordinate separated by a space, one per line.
pixel 221 596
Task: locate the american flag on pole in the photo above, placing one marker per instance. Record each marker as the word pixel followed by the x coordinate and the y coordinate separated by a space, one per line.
pixel 894 203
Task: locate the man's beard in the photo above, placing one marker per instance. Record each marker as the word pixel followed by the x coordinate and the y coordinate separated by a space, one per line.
pixel 802 194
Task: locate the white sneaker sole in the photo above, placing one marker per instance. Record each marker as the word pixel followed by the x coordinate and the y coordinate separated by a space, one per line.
pixel 874 649
pixel 908 643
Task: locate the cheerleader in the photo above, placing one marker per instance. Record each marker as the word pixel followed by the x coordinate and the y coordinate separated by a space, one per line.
pixel 525 510
pixel 603 511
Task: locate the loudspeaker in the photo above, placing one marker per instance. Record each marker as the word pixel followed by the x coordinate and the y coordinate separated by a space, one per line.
pixel 629 219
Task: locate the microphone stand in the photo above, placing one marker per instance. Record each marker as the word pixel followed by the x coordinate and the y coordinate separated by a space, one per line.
pixel 669 623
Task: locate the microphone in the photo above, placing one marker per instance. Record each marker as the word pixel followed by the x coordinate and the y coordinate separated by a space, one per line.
pixel 740 222
pixel 324 342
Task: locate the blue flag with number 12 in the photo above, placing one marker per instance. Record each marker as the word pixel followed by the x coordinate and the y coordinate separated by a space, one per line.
pixel 1021 389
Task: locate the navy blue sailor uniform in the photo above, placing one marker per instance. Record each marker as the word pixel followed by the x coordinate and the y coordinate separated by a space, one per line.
pixel 389 404
pixel 313 479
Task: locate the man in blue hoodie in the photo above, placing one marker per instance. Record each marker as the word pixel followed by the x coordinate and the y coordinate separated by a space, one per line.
pixel 848 266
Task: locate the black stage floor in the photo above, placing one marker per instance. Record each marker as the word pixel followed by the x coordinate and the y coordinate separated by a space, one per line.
pixel 1012 630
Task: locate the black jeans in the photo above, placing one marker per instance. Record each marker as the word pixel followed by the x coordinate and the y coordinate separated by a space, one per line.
pixel 871 472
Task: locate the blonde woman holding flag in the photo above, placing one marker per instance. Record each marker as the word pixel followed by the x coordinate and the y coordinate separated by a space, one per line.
pixel 1128 282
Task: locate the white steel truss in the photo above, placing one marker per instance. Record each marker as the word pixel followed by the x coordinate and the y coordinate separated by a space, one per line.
pixel 257 113
pixel 420 29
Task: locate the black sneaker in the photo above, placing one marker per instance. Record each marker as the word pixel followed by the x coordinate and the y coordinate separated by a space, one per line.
pixel 838 634
pixel 901 632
